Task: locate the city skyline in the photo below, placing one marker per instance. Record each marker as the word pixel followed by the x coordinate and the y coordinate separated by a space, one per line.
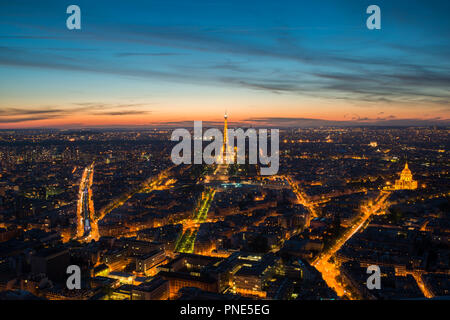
pixel 226 156
pixel 112 205
pixel 279 65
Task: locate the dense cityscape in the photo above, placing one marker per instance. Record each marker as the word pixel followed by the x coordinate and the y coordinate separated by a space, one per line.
pixel 224 159
pixel 141 228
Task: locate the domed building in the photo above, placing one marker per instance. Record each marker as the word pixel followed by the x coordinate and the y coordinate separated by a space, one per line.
pixel 406 180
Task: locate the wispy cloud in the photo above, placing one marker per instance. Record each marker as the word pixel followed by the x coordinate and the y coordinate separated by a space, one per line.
pixel 16 115
pixel 122 113
pixel 147 54
pixel 355 121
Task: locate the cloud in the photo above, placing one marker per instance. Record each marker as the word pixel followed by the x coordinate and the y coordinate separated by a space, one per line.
pixel 391 81
pixel 25 119
pixel 278 60
pixel 190 124
pixel 23 111
pixel 356 121
pixel 122 113
pixel 147 54
pixel 16 115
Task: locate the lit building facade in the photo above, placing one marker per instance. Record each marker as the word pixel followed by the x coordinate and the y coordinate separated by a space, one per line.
pixel 406 180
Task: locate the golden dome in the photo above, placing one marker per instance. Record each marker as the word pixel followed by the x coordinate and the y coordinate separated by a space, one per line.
pixel 406 170
pixel 406 180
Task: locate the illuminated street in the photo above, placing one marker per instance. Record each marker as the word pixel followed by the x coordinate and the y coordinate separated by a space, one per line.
pixel 86 226
pixel 330 271
pixel 190 227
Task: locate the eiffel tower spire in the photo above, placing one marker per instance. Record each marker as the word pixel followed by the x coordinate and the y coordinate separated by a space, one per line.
pixel 225 136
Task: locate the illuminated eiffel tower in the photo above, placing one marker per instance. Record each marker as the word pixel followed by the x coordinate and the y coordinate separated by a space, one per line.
pixel 225 138
pixel 221 172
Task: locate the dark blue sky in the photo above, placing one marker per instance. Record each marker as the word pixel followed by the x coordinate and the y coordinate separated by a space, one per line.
pixel 141 62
